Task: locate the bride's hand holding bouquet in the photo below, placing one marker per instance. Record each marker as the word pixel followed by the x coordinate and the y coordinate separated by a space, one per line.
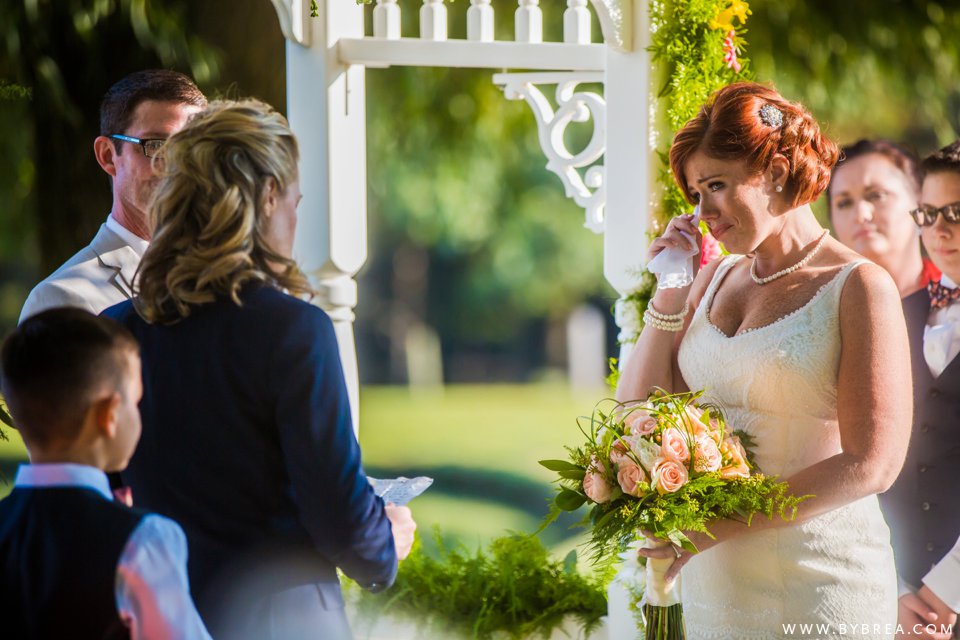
pixel 669 470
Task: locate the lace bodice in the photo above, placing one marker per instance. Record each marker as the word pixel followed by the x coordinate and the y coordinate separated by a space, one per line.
pixel 779 384
pixel 782 375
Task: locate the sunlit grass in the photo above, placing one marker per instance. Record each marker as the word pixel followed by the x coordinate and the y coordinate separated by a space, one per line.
pixel 495 427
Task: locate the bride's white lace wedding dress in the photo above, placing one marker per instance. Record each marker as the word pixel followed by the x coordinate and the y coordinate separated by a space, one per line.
pixel 779 384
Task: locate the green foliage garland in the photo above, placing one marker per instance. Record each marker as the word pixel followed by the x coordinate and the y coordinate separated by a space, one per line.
pixel 688 44
pixel 512 589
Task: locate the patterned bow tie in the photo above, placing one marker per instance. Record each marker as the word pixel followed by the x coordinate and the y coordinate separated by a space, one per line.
pixel 941 296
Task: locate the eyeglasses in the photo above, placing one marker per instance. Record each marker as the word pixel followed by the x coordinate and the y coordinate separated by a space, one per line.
pixel 151 147
pixel 926 215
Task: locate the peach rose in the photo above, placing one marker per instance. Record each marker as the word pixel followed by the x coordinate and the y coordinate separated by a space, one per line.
pixel 640 423
pixel 694 414
pixel 669 476
pixel 673 445
pixel 735 457
pixel 707 456
pixel 595 486
pixel 618 452
pixel 629 476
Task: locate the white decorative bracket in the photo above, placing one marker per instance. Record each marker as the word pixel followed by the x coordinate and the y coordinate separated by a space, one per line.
pixel 588 191
pixel 294 16
pixel 616 22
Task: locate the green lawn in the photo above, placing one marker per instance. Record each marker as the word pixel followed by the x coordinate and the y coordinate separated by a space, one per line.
pixel 481 443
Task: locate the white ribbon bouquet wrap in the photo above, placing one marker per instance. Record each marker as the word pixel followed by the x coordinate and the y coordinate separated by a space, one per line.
pixel 658 592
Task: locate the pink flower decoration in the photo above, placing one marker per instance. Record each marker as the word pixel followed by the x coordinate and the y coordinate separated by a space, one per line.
pixel 709 250
pixel 730 52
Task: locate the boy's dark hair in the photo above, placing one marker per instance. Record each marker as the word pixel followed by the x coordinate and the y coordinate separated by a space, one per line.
pixel 947 159
pixel 123 98
pixel 52 364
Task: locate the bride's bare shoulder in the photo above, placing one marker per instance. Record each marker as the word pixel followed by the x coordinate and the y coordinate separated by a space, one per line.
pixel 869 289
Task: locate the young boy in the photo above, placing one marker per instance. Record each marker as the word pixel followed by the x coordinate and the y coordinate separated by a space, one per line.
pixel 73 563
pixel 930 517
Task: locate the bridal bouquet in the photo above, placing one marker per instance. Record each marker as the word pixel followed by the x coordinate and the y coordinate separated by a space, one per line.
pixel 664 465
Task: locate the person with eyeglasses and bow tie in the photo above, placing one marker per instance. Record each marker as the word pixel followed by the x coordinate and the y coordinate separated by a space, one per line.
pixel 923 506
pixel 137 115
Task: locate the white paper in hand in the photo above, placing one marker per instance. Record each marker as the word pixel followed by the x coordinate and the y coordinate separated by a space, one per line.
pixel 674 266
pixel 400 490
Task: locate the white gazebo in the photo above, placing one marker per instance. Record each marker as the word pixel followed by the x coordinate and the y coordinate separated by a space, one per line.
pixel 611 178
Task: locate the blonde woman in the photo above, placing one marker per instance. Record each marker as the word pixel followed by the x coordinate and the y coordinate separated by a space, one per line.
pixel 247 436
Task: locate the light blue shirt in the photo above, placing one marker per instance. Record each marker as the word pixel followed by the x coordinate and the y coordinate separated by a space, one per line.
pixel 152 590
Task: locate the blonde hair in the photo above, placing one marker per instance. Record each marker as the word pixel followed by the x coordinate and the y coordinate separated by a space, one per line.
pixel 208 211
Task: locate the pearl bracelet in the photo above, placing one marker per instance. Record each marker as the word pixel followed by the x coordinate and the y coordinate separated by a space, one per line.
pixel 663 325
pixel 672 317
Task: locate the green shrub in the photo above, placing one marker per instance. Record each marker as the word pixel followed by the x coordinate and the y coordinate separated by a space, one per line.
pixel 513 589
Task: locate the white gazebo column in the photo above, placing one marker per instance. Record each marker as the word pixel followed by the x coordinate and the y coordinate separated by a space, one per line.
pixel 325 106
pixel 631 161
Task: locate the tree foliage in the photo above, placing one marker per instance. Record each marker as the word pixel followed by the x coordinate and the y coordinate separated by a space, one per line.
pixel 865 67
pixel 66 53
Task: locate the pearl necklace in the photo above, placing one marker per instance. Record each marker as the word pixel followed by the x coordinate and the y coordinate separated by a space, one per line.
pixel 779 274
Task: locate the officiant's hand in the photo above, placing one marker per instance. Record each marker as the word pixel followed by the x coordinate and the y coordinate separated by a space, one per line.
pixel 403 526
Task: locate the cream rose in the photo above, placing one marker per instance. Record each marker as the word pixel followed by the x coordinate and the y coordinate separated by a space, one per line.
pixel 669 476
pixel 707 456
pixel 673 445
pixel 629 476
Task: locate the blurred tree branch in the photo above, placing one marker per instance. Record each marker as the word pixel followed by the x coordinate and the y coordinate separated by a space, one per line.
pixel 67 53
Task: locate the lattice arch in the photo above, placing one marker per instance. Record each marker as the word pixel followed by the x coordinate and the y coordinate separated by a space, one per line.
pixel 612 178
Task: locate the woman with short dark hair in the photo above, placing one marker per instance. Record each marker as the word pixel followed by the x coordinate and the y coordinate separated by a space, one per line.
pixel 874 186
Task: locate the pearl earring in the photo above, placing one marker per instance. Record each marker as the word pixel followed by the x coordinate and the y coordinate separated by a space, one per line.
pixel 778 188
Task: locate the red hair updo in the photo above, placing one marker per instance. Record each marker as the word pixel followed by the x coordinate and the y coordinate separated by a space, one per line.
pixel 729 127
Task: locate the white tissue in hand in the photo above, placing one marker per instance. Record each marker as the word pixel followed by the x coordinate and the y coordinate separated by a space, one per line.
pixel 673 266
pixel 400 490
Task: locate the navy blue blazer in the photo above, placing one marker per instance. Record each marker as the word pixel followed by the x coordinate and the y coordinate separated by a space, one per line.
pixel 248 443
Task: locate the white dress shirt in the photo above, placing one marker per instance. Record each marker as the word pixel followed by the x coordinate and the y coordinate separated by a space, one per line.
pixel 135 242
pixel 944 579
pixel 941 336
pixel 152 590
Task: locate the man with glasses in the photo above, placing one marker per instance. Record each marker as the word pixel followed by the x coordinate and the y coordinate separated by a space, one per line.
pixel 137 115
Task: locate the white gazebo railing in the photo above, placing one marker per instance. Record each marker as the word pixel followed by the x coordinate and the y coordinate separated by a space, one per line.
pixel 611 178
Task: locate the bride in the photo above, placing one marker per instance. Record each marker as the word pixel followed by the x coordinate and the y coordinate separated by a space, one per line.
pixel 803 344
